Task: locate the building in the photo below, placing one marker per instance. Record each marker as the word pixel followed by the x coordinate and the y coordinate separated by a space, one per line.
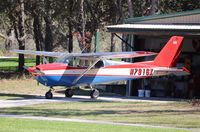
pixel 151 33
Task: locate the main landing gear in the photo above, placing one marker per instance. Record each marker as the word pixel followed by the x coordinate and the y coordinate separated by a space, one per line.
pixel 94 94
pixel 69 93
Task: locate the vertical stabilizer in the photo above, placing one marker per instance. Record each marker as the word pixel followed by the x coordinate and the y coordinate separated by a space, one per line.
pixel 169 54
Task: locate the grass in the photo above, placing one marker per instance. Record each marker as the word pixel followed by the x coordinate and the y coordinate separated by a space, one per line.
pixel 11 64
pixel 22 86
pixel 23 125
pixel 177 114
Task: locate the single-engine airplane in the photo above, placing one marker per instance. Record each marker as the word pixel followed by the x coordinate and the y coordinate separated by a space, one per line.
pixel 68 71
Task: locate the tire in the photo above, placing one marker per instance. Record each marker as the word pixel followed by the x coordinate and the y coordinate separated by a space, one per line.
pixel 94 94
pixel 69 93
pixel 49 95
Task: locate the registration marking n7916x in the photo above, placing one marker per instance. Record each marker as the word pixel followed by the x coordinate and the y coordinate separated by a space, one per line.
pixel 141 72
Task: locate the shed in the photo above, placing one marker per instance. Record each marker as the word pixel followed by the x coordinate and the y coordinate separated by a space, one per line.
pixel 151 33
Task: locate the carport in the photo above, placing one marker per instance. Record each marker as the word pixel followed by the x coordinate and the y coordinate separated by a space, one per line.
pixel 151 33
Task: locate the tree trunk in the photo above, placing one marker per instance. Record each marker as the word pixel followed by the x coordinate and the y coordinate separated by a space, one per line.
pixel 154 7
pixel 113 13
pixel 70 37
pixel 48 30
pixel 70 26
pixel 48 36
pixel 82 26
pixel 125 47
pixel 130 8
pixel 21 37
pixel 112 48
pixel 39 40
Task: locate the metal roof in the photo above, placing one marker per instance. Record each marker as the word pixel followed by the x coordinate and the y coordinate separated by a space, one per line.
pixel 181 23
pixel 164 29
pixel 162 16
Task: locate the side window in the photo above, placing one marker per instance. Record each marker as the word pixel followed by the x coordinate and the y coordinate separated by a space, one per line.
pixel 70 62
pixel 99 64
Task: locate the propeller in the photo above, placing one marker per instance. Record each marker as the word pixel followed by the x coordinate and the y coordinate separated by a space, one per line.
pixel 36 72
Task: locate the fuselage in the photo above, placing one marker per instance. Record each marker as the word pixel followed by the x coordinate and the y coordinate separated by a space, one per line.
pixel 60 74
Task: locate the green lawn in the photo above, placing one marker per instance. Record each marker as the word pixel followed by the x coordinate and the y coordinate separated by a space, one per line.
pixel 177 114
pixel 10 64
pixel 26 125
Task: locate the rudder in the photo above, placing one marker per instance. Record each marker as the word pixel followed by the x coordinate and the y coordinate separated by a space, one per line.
pixel 170 53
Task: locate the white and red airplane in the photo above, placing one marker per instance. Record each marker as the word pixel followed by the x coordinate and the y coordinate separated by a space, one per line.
pixel 68 72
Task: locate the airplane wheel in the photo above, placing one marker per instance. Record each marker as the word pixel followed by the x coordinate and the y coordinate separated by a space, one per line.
pixel 69 93
pixel 49 95
pixel 94 94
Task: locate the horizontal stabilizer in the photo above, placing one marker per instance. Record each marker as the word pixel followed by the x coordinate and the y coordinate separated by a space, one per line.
pixel 171 71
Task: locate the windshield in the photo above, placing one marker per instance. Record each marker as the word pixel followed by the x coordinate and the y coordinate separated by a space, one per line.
pixel 64 59
pixel 74 61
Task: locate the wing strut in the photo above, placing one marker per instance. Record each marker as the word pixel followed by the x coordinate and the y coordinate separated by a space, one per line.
pixel 82 74
pixel 125 41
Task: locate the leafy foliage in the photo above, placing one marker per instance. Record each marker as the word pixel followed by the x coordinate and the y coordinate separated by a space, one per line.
pixel 54 23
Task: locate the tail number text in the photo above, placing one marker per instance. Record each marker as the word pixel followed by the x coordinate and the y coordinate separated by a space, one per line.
pixel 141 72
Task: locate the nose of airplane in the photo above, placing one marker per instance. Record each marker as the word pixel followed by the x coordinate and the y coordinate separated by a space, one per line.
pixel 31 69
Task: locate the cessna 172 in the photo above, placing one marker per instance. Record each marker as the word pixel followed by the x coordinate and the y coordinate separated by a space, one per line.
pixel 68 72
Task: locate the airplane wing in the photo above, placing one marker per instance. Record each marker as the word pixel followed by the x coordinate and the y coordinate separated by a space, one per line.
pixel 39 53
pixel 110 55
pixel 106 55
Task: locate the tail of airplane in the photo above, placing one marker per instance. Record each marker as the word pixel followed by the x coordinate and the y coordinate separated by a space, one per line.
pixel 170 53
pixel 167 58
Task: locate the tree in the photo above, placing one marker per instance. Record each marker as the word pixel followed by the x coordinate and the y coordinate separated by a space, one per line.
pixel 130 8
pixel 17 17
pixel 90 19
pixel 20 33
pixel 35 9
pixel 169 6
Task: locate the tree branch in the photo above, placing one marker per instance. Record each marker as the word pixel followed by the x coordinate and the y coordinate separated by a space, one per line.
pixel 3 36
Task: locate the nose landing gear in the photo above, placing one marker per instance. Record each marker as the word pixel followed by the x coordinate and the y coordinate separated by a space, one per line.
pixel 49 94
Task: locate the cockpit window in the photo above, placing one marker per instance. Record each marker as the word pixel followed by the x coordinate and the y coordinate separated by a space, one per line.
pixel 64 59
pixel 73 61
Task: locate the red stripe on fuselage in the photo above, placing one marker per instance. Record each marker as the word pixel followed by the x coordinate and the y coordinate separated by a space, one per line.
pixel 145 64
pixel 90 75
pixel 63 66
pixel 56 66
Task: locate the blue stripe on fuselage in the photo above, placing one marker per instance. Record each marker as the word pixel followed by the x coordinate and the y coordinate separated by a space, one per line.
pixel 67 80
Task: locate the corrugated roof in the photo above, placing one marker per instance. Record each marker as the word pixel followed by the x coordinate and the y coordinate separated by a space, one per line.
pixel 158 28
pixel 162 16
